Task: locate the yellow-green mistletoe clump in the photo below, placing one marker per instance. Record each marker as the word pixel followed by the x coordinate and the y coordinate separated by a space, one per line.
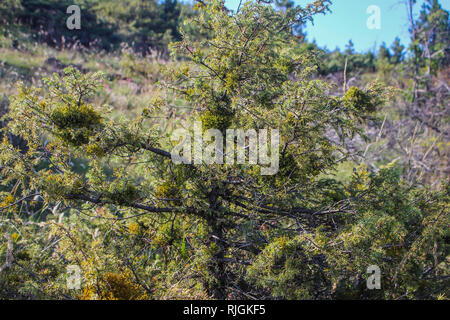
pixel 358 99
pixel 75 123
pixel 59 186
pixel 95 150
pixel 167 234
pixel 367 100
pixel 218 115
pixel 211 120
pixel 168 191
pixel 6 201
pixel 115 286
pixel 123 193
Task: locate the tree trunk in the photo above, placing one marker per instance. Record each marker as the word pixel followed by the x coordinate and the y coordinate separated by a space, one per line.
pixel 216 267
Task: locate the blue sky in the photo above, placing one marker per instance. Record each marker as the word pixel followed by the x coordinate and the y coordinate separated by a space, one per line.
pixel 348 21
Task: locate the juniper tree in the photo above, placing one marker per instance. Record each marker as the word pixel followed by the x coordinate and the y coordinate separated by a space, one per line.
pixel 297 234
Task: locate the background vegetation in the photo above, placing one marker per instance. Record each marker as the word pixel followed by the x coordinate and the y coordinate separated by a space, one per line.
pixel 86 178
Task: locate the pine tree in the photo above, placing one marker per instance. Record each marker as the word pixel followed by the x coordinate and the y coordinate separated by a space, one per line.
pixel 397 51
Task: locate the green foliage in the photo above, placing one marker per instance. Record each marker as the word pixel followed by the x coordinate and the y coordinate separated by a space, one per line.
pixel 142 24
pixel 360 100
pixel 387 228
pixel 122 193
pixel 75 124
pixel 52 14
pixel 9 10
pixel 431 35
pixel 217 121
pixel 397 51
pixel 96 187
pixel 335 61
pixel 284 268
pixel 115 286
